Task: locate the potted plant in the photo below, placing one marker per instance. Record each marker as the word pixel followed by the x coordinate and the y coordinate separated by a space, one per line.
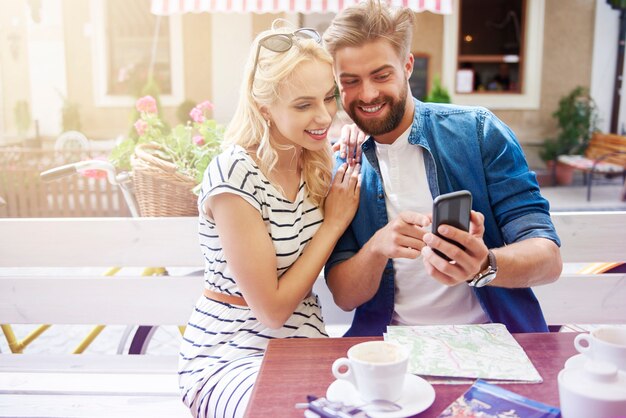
pixel 438 94
pixel 190 146
pixel 177 156
pixel 23 122
pixel 577 119
pixel 22 117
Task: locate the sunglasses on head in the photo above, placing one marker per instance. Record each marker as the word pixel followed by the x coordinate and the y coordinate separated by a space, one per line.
pixel 282 42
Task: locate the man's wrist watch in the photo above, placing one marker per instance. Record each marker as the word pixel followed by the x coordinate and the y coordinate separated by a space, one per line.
pixel 488 274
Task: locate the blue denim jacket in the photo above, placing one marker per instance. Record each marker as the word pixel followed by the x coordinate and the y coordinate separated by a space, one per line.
pixel 466 148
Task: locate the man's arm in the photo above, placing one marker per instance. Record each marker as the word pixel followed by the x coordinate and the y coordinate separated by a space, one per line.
pixel 356 280
pixel 528 263
pixel 525 263
pixel 520 213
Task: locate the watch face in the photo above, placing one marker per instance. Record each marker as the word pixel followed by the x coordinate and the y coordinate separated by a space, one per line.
pixel 487 278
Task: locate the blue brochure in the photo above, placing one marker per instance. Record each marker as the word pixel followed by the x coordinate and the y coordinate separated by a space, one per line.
pixel 490 401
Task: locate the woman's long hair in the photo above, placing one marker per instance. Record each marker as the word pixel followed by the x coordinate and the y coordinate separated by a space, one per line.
pixel 261 89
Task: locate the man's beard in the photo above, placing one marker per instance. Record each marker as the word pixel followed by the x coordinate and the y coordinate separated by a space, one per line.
pixel 381 126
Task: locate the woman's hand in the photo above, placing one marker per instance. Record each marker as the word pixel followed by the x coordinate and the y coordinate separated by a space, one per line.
pixel 349 144
pixel 343 198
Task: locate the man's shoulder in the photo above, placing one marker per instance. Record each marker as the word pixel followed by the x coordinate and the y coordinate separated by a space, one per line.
pixel 458 118
pixel 452 110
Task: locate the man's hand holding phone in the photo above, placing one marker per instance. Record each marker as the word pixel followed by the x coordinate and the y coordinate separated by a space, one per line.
pixel 462 252
pixel 402 237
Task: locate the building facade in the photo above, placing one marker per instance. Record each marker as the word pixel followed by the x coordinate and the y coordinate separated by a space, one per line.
pixel 93 57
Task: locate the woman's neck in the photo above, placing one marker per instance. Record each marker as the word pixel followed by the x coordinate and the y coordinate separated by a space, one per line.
pixel 289 160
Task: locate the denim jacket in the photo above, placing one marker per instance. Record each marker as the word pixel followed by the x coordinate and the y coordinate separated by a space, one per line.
pixel 465 148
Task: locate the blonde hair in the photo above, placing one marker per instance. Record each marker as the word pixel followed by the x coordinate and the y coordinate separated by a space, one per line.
pixel 370 21
pixel 261 88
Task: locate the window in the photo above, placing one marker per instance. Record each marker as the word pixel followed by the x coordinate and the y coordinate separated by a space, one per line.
pixel 131 43
pixel 130 29
pixel 493 53
pixel 491 34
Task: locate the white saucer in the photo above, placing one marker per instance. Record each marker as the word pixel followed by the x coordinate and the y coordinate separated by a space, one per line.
pixel 576 361
pixel 417 396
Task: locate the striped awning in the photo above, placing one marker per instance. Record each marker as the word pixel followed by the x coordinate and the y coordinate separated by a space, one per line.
pixel 170 7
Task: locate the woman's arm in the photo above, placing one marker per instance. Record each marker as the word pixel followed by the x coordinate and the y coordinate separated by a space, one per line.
pixel 251 255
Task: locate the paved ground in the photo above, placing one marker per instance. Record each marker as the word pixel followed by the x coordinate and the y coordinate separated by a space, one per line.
pixel 61 339
pixel 574 198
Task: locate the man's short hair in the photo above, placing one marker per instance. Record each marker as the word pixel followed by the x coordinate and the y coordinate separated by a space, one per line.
pixel 370 21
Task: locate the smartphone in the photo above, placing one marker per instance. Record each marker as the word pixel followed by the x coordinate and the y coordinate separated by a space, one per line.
pixel 452 209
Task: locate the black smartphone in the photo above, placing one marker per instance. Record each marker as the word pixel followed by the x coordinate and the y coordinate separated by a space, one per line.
pixel 452 209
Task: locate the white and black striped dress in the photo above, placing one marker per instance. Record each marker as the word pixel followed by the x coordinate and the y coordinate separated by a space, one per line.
pixel 224 344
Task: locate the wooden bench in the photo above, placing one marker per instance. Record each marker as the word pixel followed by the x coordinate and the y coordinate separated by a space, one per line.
pixel 123 385
pixel 605 154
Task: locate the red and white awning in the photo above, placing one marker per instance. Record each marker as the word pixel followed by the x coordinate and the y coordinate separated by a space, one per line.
pixel 170 7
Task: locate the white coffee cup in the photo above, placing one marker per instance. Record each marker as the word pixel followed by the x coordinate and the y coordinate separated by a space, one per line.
pixel 375 368
pixel 606 344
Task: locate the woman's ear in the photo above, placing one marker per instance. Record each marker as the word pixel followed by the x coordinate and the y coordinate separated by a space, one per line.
pixel 265 112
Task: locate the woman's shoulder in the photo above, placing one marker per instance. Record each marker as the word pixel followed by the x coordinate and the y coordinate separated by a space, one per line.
pixel 233 161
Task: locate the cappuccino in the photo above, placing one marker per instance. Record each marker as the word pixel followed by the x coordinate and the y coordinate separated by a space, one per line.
pixel 375 368
pixel 377 353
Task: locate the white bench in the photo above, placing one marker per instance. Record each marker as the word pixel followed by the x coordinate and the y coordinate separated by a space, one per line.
pixel 87 384
pixel 587 237
pixel 116 385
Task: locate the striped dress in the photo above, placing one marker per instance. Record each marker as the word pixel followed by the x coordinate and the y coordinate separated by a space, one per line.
pixel 224 344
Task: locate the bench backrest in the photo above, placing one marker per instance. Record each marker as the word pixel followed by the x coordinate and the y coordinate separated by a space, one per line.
pixel 603 144
pixel 64 259
pixel 587 299
pixel 43 293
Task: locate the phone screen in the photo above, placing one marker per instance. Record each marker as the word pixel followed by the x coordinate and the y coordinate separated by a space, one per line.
pixel 452 209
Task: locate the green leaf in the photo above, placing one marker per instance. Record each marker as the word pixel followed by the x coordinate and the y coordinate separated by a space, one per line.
pixel 120 155
pixel 438 94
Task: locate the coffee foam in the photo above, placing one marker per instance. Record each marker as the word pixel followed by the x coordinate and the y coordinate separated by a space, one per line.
pixel 612 335
pixel 378 353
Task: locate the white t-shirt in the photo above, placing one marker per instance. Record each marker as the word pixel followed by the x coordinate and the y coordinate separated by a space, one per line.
pixel 419 298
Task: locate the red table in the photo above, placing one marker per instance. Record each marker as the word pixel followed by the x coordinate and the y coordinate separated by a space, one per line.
pixel 294 368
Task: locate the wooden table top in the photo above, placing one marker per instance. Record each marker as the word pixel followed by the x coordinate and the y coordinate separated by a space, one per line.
pixel 294 368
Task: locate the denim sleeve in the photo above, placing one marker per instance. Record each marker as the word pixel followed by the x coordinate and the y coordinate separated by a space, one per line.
pixel 520 211
pixel 346 247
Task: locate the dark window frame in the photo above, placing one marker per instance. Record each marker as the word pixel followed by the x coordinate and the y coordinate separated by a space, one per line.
pixel 487 63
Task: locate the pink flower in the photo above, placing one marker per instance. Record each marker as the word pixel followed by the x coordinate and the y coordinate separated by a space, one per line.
pixel 146 104
pixel 206 105
pixel 198 140
pixel 95 173
pixel 197 115
pixel 141 126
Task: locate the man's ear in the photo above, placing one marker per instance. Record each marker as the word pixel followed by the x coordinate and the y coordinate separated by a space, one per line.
pixel 408 65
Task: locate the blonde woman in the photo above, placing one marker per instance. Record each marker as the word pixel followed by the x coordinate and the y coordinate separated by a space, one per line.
pixel 270 214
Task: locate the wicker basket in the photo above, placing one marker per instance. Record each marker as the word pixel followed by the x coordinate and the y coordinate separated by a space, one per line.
pixel 159 188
